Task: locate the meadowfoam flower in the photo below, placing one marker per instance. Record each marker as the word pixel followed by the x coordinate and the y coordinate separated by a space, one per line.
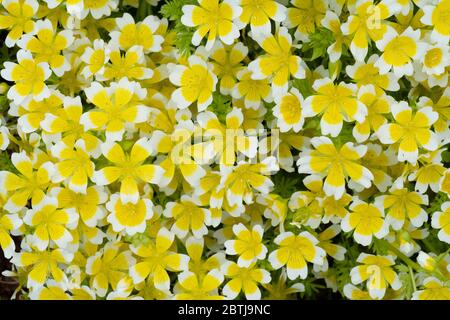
pixel 46 45
pixel 294 252
pixel 336 165
pixel 244 279
pixel 227 64
pixel 258 14
pixel 213 18
pixel 305 16
pixel 143 33
pixel 107 267
pixel 278 62
pixel 335 104
pixel 441 220
pixel 95 58
pixel 196 82
pixel 27 184
pixel 28 76
pixel 189 216
pixel 367 220
pixel 117 105
pixel 401 204
pixel 253 92
pixel 410 130
pixel 129 217
pixel 128 169
pixel 51 223
pixel 157 257
pixel 378 272
pixel 399 50
pixel 288 111
pixel 9 223
pixel 18 19
pixel 435 15
pixel 365 23
pixel 191 287
pixel 247 246
pixel 433 289
pixel 42 264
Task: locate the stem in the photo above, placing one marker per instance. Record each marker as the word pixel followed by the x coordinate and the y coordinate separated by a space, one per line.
pixel 142 9
pixel 412 278
pixel 404 258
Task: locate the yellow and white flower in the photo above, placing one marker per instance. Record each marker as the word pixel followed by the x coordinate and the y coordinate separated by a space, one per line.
pixel 335 104
pixel 278 62
pixel 196 81
pixel 248 245
pixel 156 258
pixel 435 14
pixel 129 33
pixel 258 14
pixel 117 105
pixel 411 131
pixel 29 78
pixel 46 44
pixel 305 16
pixel 336 165
pixel 441 220
pixel 399 50
pixel 244 279
pixel 51 223
pixel 367 220
pixel 18 19
pixel 213 18
pixel 129 217
pixel 95 58
pixel 128 169
pixel 288 111
pixel 253 92
pixel 434 289
pixel 378 272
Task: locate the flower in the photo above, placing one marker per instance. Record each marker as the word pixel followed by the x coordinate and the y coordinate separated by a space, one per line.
pixel 189 216
pixel 141 34
pixel 257 14
pixel 335 164
pixel 401 203
pixel 95 58
pixel 410 131
pixel 227 64
pixel 435 15
pixel 155 258
pixel 288 111
pixel 9 223
pixel 367 220
pixel 196 82
pixel 128 169
pixel 191 287
pixel 42 264
pixel 130 65
pixel 434 289
pixel 212 18
pixel 29 77
pixel 253 92
pixel 47 44
pixel 377 270
pixel 305 16
pixel 108 266
pixel 441 220
pixel 51 223
pixel 247 246
pixel 399 50
pixel 129 217
pixel 278 62
pixel 366 22
pixel 75 165
pixel 28 183
pixel 294 252
pixel 335 103
pixel 245 279
pixel 18 19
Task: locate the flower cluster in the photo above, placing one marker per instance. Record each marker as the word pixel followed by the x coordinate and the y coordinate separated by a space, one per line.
pixel 225 149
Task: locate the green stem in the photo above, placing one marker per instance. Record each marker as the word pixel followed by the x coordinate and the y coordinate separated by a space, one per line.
pixel 404 258
pixel 413 281
pixel 142 9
